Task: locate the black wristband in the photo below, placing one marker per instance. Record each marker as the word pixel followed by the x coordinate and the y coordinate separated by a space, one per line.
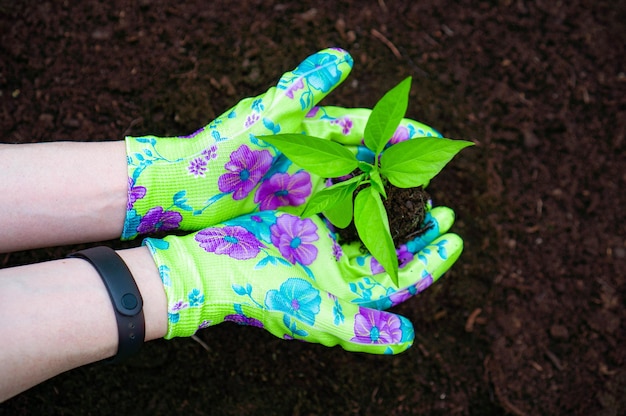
pixel 127 301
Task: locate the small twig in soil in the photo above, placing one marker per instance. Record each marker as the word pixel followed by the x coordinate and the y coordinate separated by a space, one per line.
pixel 554 359
pixel 387 42
pixel 469 325
pixel 202 343
pixel 494 374
pixel 132 124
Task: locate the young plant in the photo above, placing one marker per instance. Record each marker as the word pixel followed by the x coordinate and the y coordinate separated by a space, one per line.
pixel 407 164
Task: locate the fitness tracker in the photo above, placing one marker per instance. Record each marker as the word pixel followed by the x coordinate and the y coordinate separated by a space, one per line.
pixel 125 296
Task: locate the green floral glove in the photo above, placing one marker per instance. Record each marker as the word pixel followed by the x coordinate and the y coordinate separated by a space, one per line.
pixel 290 276
pixel 222 170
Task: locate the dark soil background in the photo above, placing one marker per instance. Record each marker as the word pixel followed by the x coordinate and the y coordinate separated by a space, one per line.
pixel 532 318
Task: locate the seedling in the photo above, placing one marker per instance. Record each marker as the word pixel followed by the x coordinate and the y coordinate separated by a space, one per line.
pixel 406 164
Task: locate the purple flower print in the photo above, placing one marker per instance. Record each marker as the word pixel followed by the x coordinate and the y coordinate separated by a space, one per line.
pixel 298 85
pixel 157 219
pixel 235 241
pixel 337 251
pixel 293 235
pixel 245 169
pixel 210 153
pixel 403 295
pixel 400 135
pixel 173 314
pixel 251 119
pixel 243 320
pixel 283 189
pixel 404 256
pixel 194 134
pixel 375 266
pixel 204 324
pixel 345 123
pixel 312 112
pixel 376 327
pixel 134 193
pixel 197 166
pixel 178 306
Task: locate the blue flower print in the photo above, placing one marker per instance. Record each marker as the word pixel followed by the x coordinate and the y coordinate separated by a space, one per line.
pixel 296 298
pixel 130 224
pixel 319 72
pixel 164 272
pixel 321 79
pixel 196 298
pixel 257 105
pixel 258 224
pixel 173 313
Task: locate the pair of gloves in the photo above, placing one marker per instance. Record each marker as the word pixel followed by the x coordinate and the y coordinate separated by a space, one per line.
pixel 249 263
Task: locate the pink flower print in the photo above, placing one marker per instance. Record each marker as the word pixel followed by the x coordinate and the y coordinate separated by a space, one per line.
pixel 400 135
pixel 235 242
pixel 157 219
pixel 293 237
pixel 197 166
pixel 245 169
pixel 376 327
pixel 283 189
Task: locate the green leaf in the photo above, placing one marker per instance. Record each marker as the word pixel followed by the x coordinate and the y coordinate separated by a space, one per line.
pixel 329 197
pixel 340 214
pixel 377 183
pixel 415 162
pixel 318 156
pixel 365 167
pixel 372 224
pixel 386 116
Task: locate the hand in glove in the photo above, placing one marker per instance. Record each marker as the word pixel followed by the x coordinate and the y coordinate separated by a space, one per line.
pixel 222 171
pixel 290 276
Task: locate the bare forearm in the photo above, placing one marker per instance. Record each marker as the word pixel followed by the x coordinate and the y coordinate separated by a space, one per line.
pixel 57 315
pixel 61 193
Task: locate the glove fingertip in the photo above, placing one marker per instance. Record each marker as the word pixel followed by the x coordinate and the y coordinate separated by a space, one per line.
pixel 444 216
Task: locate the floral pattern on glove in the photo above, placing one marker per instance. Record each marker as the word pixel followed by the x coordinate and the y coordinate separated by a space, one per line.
pixel 244 171
pixel 236 242
pixel 290 276
pixel 223 170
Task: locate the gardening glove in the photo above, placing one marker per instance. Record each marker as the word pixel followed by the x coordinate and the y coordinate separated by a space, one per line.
pixel 191 182
pixel 346 126
pixel 290 276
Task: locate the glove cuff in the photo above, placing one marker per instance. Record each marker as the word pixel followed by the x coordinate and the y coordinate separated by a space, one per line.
pixel 187 309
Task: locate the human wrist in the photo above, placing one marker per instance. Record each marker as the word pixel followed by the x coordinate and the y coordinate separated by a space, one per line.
pixel 148 280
